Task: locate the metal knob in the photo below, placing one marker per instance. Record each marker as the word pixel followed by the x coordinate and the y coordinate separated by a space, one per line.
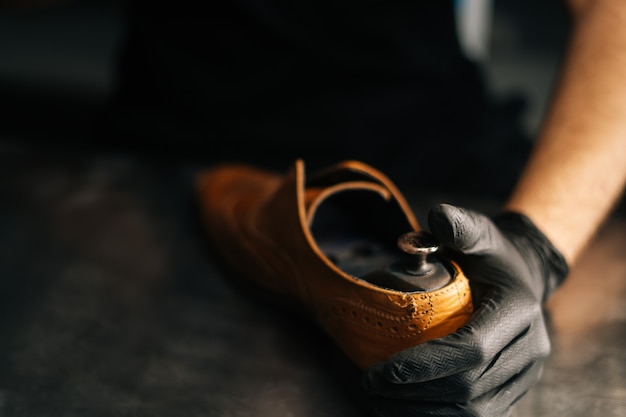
pixel 421 244
pixel 422 270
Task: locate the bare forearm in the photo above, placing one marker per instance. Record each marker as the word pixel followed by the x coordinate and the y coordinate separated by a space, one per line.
pixel 578 169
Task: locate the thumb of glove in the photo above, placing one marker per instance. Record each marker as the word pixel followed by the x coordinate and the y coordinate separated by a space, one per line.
pixel 463 230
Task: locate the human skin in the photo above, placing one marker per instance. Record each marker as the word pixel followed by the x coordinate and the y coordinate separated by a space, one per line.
pixel 577 171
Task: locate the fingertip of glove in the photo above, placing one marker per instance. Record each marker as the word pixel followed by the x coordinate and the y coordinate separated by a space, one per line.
pixel 397 372
pixel 381 372
pixel 439 223
pixel 453 226
pixel 371 379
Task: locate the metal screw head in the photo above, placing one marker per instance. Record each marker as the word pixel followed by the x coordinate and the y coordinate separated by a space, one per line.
pixel 418 243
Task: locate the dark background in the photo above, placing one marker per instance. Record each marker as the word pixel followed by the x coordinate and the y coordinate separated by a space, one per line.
pixel 57 63
pixel 112 305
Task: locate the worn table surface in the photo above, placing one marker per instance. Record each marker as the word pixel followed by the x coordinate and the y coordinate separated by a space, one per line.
pixel 111 305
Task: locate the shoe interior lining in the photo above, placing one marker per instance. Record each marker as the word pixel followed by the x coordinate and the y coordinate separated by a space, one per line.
pixel 358 231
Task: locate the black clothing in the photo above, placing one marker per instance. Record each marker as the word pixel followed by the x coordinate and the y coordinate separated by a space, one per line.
pixel 267 81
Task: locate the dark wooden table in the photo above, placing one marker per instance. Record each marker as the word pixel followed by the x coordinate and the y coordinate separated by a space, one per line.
pixel 111 305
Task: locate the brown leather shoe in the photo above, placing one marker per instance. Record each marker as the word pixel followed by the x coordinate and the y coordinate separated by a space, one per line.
pixel 323 243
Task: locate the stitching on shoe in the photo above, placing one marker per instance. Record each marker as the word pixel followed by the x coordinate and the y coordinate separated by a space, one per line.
pixel 380 322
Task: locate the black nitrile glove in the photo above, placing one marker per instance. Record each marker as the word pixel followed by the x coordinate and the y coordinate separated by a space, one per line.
pixel 486 366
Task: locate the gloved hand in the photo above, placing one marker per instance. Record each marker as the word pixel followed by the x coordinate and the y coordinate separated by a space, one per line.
pixel 486 366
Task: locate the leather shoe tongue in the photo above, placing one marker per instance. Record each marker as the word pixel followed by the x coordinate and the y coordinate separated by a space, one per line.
pixel 315 196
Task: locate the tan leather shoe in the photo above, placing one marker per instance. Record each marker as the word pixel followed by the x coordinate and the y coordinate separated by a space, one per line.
pixel 317 242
